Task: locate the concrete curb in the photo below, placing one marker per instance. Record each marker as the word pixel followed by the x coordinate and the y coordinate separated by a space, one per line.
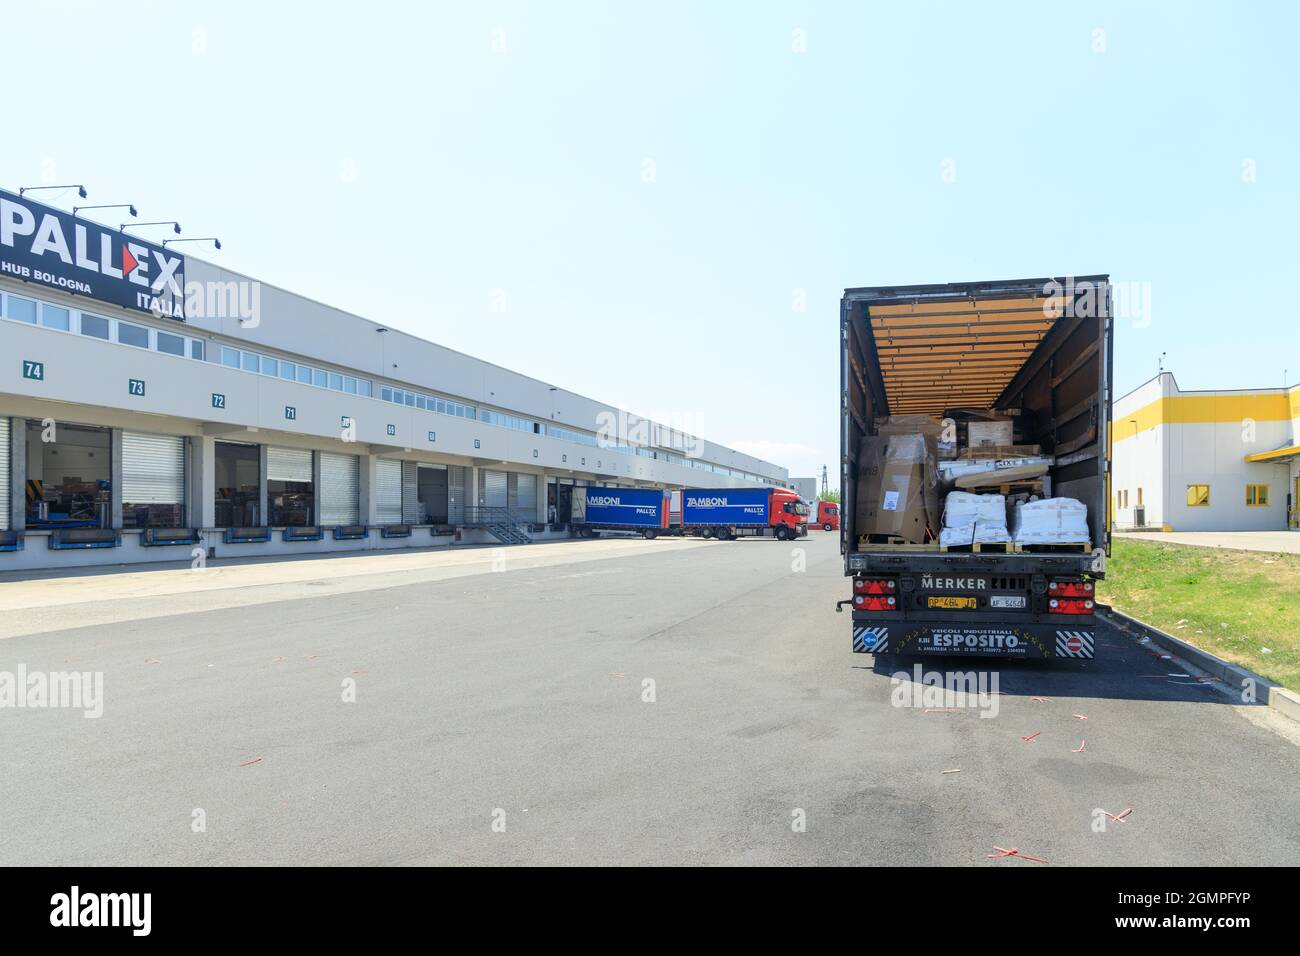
pixel 1285 702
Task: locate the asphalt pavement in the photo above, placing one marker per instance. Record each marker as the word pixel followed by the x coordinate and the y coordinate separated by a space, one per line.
pixel 615 702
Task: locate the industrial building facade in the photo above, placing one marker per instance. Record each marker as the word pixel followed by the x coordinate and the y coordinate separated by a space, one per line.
pixel 1206 461
pixel 130 434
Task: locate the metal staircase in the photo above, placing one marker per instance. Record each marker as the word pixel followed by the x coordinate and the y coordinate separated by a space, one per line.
pixel 502 523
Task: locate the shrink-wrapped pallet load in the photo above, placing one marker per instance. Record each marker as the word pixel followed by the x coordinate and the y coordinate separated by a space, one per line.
pixel 974 519
pixel 1050 521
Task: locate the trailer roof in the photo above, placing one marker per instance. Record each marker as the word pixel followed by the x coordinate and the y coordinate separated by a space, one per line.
pixel 960 345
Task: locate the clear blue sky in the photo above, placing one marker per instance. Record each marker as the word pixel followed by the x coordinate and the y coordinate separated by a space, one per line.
pixel 394 160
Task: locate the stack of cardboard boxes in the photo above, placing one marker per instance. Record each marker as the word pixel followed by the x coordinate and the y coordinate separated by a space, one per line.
pixel 908 468
pixel 898 480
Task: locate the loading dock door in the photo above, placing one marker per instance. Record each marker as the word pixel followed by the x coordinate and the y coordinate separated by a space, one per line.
pixel 492 489
pixel 388 491
pixel 153 481
pixel 340 479
pixel 564 510
pixel 526 497
pixel 433 494
pixel 6 474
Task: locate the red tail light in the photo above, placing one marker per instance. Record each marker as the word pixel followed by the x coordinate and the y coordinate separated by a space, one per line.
pixel 1069 588
pixel 1069 605
pixel 862 602
pixel 874 585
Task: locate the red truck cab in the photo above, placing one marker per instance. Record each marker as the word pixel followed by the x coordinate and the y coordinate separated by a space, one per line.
pixel 825 515
pixel 788 517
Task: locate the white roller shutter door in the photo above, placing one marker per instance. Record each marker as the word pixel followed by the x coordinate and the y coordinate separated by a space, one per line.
pixel 411 493
pixel 6 477
pixel 492 488
pixel 340 479
pixel 153 469
pixel 526 505
pixel 388 491
pixel 288 464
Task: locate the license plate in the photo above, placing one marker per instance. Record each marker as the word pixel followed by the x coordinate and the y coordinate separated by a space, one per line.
pixel 1007 601
pixel 952 603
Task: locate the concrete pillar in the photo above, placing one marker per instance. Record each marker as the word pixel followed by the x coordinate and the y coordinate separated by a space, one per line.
pixel 540 517
pixel 18 474
pixel 115 479
pixel 366 473
pixel 471 492
pixel 263 516
pixel 201 482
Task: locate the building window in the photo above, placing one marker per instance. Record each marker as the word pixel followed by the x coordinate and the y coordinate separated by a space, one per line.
pixel 1257 496
pixel 270 367
pixel 54 317
pixel 171 344
pixel 1140 502
pixel 288 371
pixel 229 357
pixel 21 310
pixel 136 335
pixel 1198 496
pixel 94 326
pixel 304 375
pixel 252 362
pixel 196 349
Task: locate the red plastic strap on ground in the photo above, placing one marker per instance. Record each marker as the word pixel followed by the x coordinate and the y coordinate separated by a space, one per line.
pixel 1014 852
pixel 1119 817
pixel 1082 744
pixel 1030 738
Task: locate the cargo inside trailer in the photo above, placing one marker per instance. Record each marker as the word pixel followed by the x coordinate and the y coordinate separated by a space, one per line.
pixel 1037 349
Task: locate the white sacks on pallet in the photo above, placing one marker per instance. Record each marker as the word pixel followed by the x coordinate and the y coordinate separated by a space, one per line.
pixel 973 519
pixel 1050 521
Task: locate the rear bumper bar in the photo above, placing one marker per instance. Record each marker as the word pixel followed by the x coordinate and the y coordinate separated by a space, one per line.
pixel 1027 641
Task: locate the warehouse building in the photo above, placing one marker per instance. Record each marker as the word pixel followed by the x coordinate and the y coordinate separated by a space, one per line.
pixel 1206 461
pixel 156 408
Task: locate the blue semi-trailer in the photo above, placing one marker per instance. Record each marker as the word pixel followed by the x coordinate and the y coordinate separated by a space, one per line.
pixel 597 509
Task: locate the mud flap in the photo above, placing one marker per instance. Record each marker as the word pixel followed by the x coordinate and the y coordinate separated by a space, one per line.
pixel 870 640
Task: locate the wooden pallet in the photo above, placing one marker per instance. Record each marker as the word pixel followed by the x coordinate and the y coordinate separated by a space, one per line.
pixel 1034 487
pixel 982 547
pixel 1057 547
pixel 892 542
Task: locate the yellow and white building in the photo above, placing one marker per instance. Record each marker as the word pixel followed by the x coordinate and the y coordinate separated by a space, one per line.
pixel 1205 461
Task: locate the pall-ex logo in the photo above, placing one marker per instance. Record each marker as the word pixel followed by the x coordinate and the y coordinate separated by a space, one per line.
pixel 930 583
pixel 77 253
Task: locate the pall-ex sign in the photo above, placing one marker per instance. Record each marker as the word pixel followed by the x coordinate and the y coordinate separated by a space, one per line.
pixel 52 248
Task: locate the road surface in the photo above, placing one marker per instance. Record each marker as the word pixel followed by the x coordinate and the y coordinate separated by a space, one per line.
pixel 618 702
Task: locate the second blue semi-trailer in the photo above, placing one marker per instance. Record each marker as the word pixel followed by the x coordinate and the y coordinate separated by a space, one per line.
pixel 744 513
